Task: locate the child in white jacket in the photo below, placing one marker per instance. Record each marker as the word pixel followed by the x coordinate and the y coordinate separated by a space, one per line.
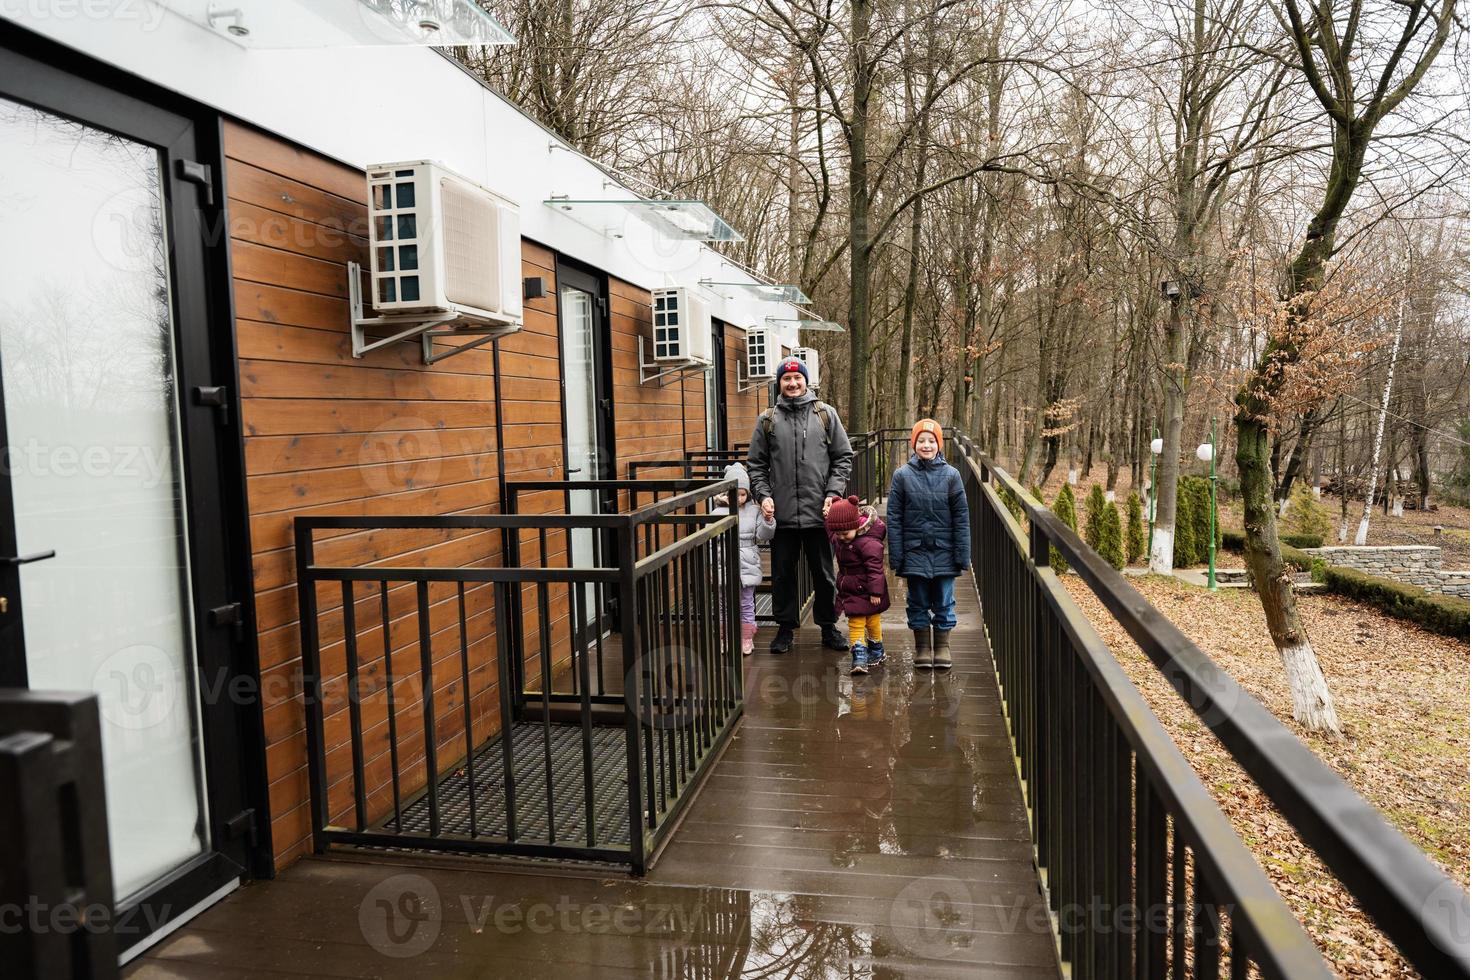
pixel 755 530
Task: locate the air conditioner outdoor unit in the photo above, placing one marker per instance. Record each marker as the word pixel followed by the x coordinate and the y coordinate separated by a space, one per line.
pixel 442 244
pixel 682 328
pixel 759 364
pixel 808 356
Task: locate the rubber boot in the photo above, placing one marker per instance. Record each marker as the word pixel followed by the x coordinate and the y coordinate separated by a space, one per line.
pixel 923 658
pixel 942 660
pixel 747 638
pixel 876 653
pixel 859 659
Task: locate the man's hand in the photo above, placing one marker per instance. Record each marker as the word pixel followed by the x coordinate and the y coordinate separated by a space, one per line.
pixel 827 505
pixel 874 600
pixel 768 508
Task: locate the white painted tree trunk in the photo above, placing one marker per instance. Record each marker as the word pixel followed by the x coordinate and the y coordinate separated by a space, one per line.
pixel 1311 702
pixel 1398 335
pixel 1161 559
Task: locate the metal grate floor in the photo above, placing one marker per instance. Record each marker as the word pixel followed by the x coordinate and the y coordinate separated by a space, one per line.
pixel 528 745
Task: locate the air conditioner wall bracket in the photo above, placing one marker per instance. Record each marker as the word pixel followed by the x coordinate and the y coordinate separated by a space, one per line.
pixel 651 371
pixel 409 327
pixel 744 382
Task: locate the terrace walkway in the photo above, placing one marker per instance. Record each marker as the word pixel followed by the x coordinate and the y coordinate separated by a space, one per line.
pixel 854 827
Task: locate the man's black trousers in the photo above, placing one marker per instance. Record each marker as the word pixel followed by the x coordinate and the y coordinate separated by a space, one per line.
pixel 786 550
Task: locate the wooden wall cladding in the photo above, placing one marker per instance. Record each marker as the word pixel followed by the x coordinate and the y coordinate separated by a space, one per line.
pixel 326 433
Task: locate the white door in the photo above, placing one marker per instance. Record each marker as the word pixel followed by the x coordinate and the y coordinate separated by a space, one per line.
pixel 584 408
pixel 90 421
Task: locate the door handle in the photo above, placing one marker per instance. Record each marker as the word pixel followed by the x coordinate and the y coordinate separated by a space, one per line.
pixel 577 470
pixel 27 559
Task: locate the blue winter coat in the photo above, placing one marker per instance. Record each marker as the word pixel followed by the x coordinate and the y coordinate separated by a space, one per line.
pixel 928 519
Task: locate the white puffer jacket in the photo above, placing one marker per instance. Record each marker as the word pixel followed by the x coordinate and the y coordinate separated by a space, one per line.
pixel 755 530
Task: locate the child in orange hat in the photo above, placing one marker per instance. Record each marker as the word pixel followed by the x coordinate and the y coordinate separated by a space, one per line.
pixel 929 540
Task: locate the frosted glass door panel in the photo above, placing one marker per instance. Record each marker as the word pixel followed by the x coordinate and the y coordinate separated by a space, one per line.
pixel 92 431
pixel 579 366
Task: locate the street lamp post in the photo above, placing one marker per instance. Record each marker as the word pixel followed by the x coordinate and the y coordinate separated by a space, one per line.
pixel 1155 446
pixel 1206 452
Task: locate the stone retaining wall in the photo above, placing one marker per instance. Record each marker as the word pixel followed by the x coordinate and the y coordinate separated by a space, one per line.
pixel 1414 564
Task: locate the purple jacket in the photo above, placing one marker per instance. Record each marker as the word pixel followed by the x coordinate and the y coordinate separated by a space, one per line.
pixel 860 570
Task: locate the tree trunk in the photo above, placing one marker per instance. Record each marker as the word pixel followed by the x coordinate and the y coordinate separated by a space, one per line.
pixel 1310 699
pixel 1166 486
pixel 1398 333
pixel 859 205
pixel 1310 420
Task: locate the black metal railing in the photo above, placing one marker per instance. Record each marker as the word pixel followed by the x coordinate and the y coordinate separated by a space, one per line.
pixel 528 684
pixel 55 866
pixel 710 464
pixel 876 455
pixel 1121 822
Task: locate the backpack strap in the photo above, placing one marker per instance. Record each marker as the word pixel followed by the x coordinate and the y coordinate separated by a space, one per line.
pixel 823 410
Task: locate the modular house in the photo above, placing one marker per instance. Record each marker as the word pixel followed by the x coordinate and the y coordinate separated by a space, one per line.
pixel 220 233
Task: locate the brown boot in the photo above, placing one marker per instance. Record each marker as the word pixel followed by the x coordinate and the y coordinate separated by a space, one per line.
pixel 941 650
pixel 923 659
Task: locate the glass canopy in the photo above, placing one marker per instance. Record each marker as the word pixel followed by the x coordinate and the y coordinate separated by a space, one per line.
pixel 344 23
pixel 770 292
pixel 690 221
pixel 827 326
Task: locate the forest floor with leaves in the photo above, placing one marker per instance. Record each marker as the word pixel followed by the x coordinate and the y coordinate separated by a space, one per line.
pixel 1400 694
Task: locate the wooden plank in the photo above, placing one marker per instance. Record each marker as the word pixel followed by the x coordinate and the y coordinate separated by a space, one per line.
pixel 248 144
pixel 256 263
pixel 283 454
pixel 322 413
pixel 276 379
pixel 250 185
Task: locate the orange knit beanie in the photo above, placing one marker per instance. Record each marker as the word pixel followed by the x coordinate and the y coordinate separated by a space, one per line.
pixel 930 426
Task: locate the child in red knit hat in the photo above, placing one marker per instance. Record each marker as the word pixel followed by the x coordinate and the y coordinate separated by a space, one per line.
pixel 857 535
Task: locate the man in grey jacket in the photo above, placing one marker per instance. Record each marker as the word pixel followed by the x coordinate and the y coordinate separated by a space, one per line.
pixel 799 461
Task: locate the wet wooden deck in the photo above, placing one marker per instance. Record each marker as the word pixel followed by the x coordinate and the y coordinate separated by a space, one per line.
pixel 855 827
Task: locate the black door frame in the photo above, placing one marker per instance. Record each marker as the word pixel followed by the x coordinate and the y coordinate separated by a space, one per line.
pixel 717 378
pixel 59 81
pixel 578 275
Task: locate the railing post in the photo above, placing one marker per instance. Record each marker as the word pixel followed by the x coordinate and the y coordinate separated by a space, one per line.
pixel 311 683
pixel 54 853
pixel 633 665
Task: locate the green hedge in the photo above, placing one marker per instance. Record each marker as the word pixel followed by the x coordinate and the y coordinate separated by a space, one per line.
pixel 1449 615
pixel 1235 541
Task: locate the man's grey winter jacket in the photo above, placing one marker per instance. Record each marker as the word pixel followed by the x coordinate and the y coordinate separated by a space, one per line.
pixel 801 463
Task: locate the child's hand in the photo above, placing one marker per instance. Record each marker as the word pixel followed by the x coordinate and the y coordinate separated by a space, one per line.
pixel 874 600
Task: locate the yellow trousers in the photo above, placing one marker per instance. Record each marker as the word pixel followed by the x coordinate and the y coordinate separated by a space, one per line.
pixel 864 629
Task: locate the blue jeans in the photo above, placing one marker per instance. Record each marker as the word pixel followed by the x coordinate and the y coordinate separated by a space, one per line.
pixel 931 602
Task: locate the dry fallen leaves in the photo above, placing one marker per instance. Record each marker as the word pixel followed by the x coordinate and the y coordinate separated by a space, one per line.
pixel 1400 693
